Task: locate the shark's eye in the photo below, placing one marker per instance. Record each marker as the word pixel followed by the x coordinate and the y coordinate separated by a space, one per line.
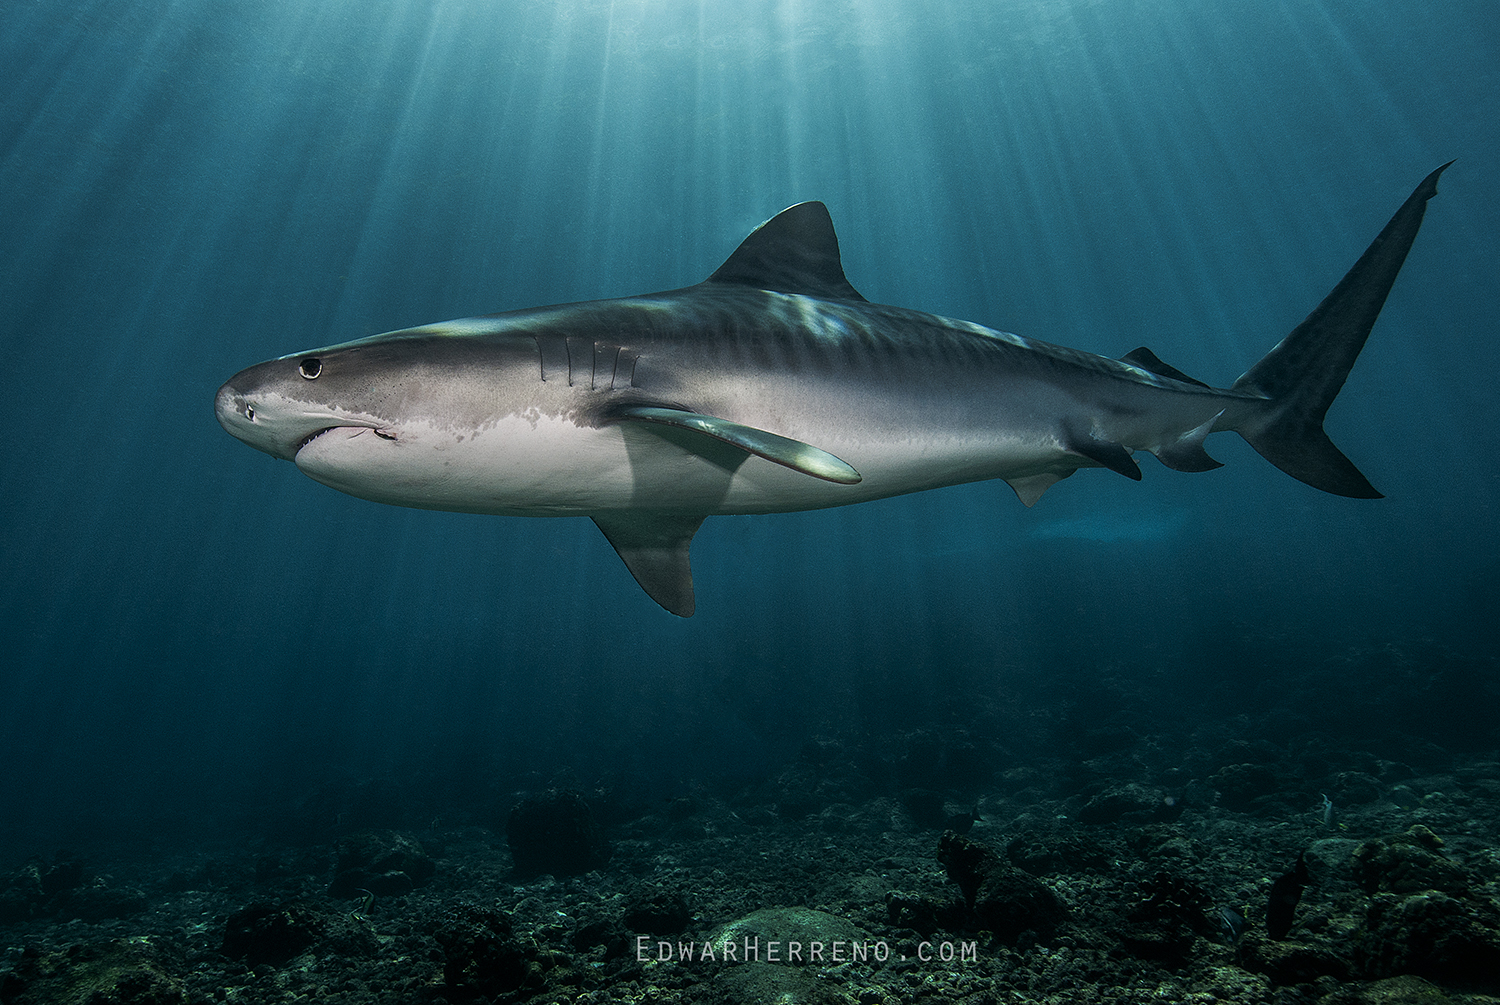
pixel 250 412
pixel 310 367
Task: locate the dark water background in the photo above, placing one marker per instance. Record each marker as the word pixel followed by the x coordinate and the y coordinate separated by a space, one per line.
pixel 194 635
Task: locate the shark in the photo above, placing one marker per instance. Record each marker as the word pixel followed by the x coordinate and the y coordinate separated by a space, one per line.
pixel 774 386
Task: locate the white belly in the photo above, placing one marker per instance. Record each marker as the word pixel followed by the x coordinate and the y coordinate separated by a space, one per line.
pixel 548 466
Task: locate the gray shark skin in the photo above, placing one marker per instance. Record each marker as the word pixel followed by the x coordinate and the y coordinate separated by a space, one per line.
pixel 774 386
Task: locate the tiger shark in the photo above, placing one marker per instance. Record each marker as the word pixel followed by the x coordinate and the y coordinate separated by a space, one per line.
pixel 774 386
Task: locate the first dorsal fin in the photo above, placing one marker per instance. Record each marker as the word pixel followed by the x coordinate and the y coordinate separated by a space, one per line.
pixel 796 251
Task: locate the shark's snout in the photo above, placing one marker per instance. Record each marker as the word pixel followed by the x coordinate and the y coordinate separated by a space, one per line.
pixel 260 420
pixel 272 411
pixel 227 405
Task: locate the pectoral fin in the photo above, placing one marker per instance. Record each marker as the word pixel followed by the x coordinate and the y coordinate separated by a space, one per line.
pixel 1029 488
pixel 654 547
pixel 790 453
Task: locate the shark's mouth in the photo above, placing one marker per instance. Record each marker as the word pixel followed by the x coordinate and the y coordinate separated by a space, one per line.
pixel 354 429
pixel 312 436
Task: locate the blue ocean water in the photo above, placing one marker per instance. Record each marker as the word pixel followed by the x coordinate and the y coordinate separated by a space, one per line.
pixel 192 631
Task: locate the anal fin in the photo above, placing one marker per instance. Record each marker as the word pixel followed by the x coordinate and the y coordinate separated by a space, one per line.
pixel 1186 453
pixel 654 547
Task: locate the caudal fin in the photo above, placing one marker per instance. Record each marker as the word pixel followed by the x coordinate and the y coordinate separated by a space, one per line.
pixel 1303 374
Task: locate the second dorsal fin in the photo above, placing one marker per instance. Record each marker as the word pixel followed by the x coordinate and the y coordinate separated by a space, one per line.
pixel 1149 361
